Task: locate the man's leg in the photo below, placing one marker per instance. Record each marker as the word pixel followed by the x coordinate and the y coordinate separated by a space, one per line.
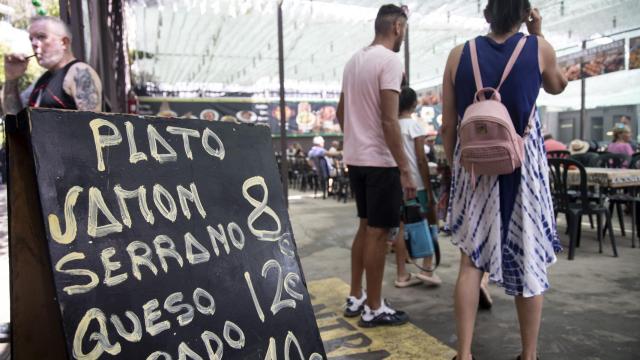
pixel 357 255
pixel 355 302
pixel 375 251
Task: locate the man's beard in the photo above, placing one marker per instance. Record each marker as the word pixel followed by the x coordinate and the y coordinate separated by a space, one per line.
pixel 397 45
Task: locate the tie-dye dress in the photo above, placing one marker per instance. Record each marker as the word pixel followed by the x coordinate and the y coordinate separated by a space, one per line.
pixel 506 225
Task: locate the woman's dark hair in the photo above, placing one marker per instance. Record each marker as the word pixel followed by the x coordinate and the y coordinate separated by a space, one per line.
pixel 408 99
pixel 504 15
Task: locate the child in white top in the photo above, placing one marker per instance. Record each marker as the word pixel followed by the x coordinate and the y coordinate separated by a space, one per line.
pixel 413 135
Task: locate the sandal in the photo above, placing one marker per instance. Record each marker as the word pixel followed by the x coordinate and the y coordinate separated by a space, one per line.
pixel 411 281
pixel 433 280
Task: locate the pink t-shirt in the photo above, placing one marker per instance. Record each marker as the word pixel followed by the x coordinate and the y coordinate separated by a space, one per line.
pixel 554 145
pixel 370 70
pixel 620 148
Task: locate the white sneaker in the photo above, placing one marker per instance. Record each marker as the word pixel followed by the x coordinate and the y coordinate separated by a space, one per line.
pixel 354 306
pixel 383 316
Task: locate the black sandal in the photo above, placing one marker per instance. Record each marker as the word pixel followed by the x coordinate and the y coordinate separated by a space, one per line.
pixel 473 357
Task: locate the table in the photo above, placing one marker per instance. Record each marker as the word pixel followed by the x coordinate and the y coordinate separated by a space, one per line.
pixel 611 179
pixel 607 178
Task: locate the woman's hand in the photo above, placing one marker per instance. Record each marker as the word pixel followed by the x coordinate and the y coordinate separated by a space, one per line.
pixel 534 22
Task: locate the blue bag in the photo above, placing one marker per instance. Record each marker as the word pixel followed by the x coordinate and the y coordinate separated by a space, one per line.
pixel 417 234
pixel 418 239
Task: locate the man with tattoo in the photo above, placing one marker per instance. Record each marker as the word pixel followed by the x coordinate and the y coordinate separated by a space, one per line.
pixel 68 82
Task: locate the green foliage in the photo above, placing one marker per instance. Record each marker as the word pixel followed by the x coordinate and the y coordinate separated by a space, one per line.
pixel 26 9
pixel 20 20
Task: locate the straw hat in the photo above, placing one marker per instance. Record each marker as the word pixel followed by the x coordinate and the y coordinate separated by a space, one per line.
pixel 578 147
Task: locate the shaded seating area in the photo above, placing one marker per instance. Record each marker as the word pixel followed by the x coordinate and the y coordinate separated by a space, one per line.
pixel 596 184
pixel 315 174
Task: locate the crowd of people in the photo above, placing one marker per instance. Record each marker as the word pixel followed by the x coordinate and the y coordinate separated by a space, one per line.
pixel 384 152
pixel 621 144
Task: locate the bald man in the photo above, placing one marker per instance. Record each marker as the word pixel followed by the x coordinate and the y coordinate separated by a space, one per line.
pixel 67 84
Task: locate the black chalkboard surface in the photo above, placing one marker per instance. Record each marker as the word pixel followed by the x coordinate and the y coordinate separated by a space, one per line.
pixel 165 239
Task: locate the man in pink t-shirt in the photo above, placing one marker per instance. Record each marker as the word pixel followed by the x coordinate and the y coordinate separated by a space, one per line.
pixel 378 169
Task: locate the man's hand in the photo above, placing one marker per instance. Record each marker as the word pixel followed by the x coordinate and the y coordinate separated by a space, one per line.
pixel 15 65
pixel 534 22
pixel 408 186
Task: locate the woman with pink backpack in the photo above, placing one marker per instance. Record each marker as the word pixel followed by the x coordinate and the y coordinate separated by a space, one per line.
pixel 500 210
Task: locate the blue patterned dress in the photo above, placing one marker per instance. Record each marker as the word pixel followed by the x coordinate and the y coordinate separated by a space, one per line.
pixel 506 225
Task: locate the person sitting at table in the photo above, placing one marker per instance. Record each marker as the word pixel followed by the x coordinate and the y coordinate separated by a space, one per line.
pixel 577 147
pixel 621 141
pixel 551 144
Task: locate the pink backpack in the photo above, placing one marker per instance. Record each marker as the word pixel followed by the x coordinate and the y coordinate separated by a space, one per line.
pixel 489 144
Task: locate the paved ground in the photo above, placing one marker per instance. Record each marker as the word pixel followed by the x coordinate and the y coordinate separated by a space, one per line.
pixel 591 312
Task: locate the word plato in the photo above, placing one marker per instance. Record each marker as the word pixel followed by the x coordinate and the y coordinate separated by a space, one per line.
pixel 103 141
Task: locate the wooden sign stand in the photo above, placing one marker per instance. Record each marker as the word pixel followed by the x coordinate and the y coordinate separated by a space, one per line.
pixel 36 329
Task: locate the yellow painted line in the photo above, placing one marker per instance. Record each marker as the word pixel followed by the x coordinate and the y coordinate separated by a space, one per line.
pixel 343 339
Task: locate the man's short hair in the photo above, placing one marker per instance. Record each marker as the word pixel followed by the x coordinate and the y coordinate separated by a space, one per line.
pixel 65 28
pixel 387 16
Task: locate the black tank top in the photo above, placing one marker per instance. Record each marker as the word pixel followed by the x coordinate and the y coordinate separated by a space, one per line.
pixel 49 88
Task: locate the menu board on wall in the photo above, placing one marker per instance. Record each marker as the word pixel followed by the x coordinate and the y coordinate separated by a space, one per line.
pixel 598 60
pixel 634 53
pixel 303 117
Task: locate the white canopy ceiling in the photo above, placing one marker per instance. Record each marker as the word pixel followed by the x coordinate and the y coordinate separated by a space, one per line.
pixel 232 44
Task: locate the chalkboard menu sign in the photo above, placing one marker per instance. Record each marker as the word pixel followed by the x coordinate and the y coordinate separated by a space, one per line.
pixel 145 238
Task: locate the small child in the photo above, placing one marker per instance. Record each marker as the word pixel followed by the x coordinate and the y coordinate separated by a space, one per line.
pixel 413 135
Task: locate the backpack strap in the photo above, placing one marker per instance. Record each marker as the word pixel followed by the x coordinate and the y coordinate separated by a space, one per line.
pixel 474 64
pixel 512 60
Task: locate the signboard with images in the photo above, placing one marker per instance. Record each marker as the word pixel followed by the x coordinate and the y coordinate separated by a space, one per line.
pixel 602 59
pixel 634 53
pixel 429 109
pixel 303 117
pixel 151 238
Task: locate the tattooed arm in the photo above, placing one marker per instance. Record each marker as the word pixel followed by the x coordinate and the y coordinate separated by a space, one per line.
pixel 83 84
pixel 15 66
pixel 11 103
